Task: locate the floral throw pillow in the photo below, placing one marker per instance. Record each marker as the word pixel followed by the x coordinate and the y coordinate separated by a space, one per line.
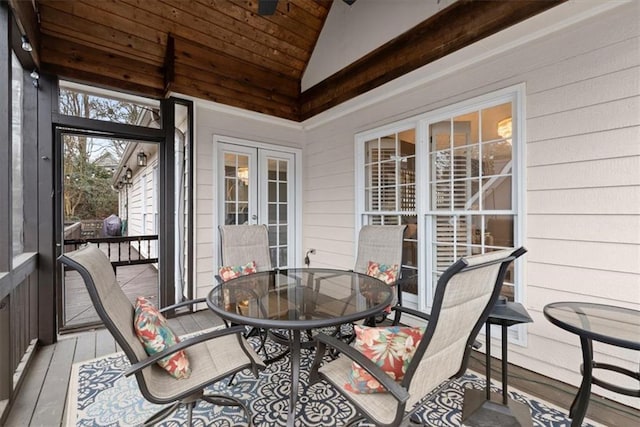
pixel 387 273
pixel 232 271
pixel 155 335
pixel 391 348
pixel 384 272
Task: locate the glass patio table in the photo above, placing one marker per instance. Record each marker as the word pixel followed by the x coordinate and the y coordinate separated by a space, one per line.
pixel 609 324
pixel 299 300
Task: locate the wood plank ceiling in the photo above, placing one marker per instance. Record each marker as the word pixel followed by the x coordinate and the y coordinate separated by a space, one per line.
pixel 224 51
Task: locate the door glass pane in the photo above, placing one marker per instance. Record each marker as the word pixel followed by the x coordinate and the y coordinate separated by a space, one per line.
pixel 236 195
pixel 277 210
pixel 273 192
pixel 273 169
pixel 282 192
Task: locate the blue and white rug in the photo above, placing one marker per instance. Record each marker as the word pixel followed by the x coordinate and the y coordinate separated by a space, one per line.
pixel 99 395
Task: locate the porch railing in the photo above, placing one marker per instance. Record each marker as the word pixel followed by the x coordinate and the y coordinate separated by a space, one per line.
pixel 18 325
pixel 131 253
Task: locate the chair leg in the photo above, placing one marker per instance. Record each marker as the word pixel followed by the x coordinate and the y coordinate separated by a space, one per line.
pixel 190 407
pixel 357 420
pixel 161 414
pixel 222 400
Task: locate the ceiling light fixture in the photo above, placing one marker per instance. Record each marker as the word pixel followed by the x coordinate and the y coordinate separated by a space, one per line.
pixel 505 129
pixel 26 46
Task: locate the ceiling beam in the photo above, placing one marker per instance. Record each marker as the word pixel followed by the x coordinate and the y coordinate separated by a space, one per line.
pixel 453 28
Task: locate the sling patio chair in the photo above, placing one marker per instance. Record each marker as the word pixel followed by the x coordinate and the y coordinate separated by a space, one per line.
pixel 380 255
pixel 245 250
pixel 244 244
pixel 432 356
pixel 211 356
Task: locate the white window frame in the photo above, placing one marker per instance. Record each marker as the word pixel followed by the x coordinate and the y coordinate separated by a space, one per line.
pixel 360 181
pixel 514 94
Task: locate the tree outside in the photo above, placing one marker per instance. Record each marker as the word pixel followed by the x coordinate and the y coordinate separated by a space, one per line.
pixel 89 163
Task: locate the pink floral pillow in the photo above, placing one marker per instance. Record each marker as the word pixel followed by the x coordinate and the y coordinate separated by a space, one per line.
pixel 231 272
pixel 155 335
pixel 387 273
pixel 391 348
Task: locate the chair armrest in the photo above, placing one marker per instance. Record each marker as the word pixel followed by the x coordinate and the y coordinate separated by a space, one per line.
pixel 183 304
pixel 181 346
pixel 398 392
pixel 400 309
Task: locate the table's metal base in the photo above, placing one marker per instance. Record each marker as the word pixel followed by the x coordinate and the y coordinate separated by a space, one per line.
pixel 479 412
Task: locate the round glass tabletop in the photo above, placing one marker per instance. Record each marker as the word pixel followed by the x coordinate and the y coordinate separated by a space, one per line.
pixel 300 298
pixel 605 323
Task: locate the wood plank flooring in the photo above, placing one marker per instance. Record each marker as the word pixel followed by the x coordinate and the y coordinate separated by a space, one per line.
pixel 135 280
pixel 42 399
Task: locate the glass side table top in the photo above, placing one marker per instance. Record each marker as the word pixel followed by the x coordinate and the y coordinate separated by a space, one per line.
pixel 300 298
pixel 605 323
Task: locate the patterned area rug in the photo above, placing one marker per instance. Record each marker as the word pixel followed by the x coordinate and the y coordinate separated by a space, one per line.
pixel 101 396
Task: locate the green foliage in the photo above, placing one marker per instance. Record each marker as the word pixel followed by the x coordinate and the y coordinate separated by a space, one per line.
pixel 87 186
pixel 90 193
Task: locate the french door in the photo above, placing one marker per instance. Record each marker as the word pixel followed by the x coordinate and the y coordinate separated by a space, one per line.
pixel 257 185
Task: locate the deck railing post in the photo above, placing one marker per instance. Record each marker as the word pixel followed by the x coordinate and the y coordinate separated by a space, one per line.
pixel 6 376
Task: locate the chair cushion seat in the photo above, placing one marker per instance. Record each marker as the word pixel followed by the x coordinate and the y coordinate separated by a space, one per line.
pixel 209 361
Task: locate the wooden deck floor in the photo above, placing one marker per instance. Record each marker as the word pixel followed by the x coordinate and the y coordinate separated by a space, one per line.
pixel 135 280
pixel 42 399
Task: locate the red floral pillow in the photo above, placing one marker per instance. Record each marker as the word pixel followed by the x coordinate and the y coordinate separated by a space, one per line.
pixel 232 271
pixel 391 348
pixel 155 335
pixel 384 272
pixel 387 273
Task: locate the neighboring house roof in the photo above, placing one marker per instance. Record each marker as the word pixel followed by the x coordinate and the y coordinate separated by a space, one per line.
pixel 107 160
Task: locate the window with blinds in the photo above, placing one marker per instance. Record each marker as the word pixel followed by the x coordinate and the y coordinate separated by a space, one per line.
pixel 390 192
pixel 471 208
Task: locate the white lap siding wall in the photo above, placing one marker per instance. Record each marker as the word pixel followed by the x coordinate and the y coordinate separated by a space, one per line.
pixel 582 173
